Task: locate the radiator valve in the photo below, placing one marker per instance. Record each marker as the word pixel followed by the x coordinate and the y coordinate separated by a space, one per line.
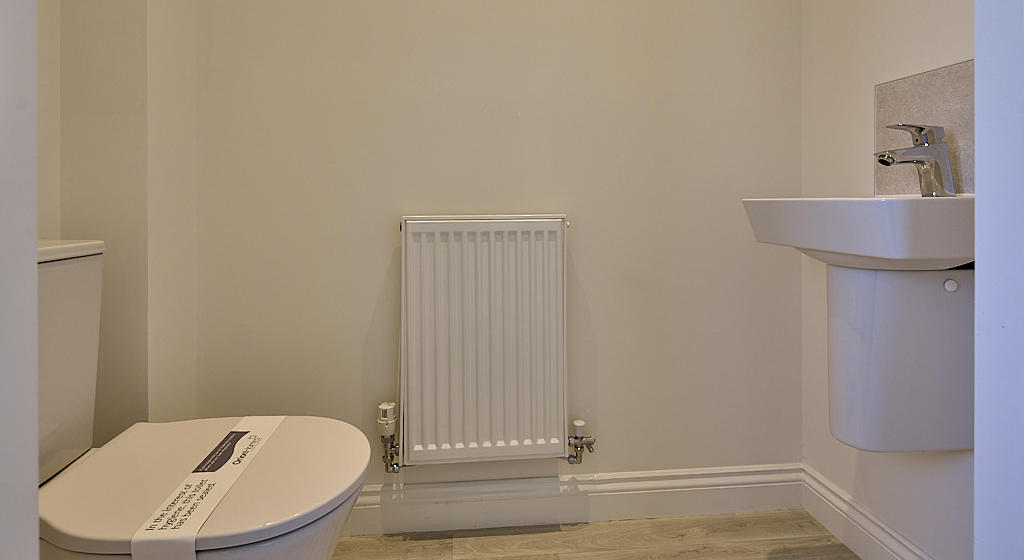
pixel 387 421
pixel 578 441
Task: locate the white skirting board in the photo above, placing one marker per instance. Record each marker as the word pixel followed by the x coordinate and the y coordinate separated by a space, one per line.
pixel 572 498
pixel 867 536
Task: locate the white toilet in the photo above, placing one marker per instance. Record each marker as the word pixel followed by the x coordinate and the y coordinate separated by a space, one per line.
pixel 290 501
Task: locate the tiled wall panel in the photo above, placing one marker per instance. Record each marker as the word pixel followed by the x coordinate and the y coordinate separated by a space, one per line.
pixel 941 97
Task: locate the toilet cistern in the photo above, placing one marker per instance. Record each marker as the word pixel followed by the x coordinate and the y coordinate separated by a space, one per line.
pixel 929 154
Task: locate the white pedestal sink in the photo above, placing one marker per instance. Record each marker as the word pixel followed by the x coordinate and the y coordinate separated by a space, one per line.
pixel 900 322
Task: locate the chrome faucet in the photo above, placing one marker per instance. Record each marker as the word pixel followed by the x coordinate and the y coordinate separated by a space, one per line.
pixel 930 154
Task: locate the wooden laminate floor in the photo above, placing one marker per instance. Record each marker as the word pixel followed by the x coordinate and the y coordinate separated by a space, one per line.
pixel 775 535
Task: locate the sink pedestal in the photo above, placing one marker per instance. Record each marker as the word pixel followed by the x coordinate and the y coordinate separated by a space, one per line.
pixel 901 353
pixel 900 312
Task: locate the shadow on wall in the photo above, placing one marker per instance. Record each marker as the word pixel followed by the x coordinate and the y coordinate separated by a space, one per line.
pixel 583 359
pixel 381 361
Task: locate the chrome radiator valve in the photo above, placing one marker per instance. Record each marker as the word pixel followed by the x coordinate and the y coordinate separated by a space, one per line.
pixel 578 441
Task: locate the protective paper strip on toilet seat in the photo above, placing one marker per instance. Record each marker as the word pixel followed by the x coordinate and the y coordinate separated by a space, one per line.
pixel 170 532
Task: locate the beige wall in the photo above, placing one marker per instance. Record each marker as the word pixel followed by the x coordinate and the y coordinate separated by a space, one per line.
pixel 248 165
pixel 125 141
pixel 847 49
pixel 48 79
pixel 320 126
pixel 171 160
pixel 103 176
pixel 263 174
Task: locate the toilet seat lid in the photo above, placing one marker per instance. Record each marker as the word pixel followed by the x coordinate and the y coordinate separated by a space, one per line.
pixel 308 467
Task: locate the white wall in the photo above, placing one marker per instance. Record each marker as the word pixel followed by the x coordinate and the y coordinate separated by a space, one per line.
pixel 18 328
pixel 848 47
pixel 999 311
pixel 645 122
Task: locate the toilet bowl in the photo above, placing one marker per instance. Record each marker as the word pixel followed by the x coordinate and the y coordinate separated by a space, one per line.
pixel 290 502
pixel 289 490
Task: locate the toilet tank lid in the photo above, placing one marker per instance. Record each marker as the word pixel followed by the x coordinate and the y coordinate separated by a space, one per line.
pixel 60 249
pixel 306 468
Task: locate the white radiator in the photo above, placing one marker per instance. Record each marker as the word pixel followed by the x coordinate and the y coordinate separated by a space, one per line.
pixel 483 338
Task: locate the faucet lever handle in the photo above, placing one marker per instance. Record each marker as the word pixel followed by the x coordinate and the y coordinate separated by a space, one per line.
pixel 922 134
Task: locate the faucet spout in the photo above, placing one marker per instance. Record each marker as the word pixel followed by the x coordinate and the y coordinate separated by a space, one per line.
pixel 930 155
pixel 930 170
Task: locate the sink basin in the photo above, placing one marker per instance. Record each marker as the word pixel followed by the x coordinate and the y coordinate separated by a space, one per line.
pixel 890 233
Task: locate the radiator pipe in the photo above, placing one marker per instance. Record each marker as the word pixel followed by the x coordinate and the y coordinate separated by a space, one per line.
pixel 387 422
